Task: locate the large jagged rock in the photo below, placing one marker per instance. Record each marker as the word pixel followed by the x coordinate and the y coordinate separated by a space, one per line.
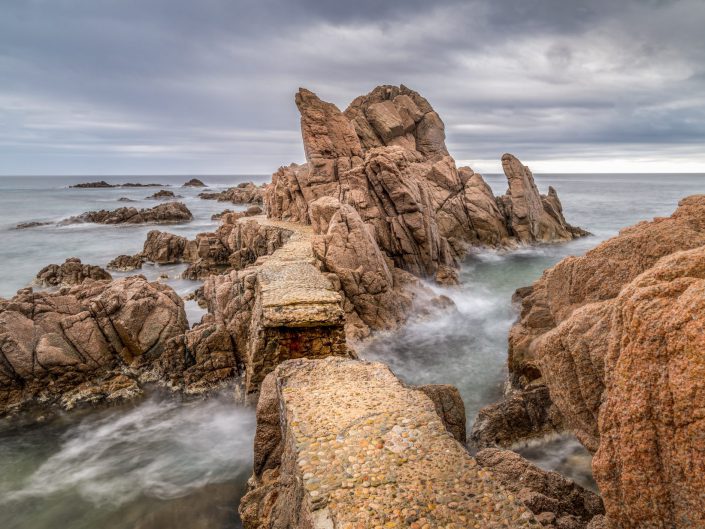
pixel 346 249
pixel 638 372
pixel 616 336
pixel 557 501
pixel 163 248
pixel 201 360
pixel 449 407
pixel 385 156
pixel 530 216
pixel 71 272
pixel 85 343
pixel 171 212
pixel 343 443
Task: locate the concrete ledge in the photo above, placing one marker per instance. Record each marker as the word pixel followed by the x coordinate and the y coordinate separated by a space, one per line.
pixel 344 444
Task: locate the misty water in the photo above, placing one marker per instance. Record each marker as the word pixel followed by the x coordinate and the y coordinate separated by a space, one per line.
pixel 161 463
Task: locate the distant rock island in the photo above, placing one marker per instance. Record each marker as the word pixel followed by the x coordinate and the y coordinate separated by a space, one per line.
pixel 104 184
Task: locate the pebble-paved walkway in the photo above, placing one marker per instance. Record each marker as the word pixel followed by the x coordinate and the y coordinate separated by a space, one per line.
pixel 373 453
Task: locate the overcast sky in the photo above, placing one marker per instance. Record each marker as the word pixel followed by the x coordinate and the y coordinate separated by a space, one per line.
pixel 207 86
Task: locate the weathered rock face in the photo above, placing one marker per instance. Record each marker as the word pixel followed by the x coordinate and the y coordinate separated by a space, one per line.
pixel 598 275
pixel 71 272
pixel 556 501
pixel 81 343
pixel 201 360
pixel 530 216
pixel 342 443
pixel 618 345
pixel 386 158
pixel 163 248
pixel 449 407
pixel 245 193
pixel 520 415
pixel 126 263
pixel 163 213
pixel 346 249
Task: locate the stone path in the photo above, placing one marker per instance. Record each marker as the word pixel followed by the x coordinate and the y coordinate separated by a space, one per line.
pixel 297 312
pixel 372 453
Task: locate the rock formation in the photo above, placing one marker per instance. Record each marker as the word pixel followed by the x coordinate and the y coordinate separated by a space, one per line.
pixel 163 194
pixel 163 213
pixel 194 182
pixel 71 272
pixel 104 184
pixel 343 443
pixel 84 343
pixel 126 263
pixel 163 248
pixel 556 501
pixel 33 224
pixel 245 193
pixel 385 157
pixel 616 337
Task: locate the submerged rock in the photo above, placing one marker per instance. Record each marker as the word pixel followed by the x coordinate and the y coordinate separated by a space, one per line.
pixel 104 184
pixel 71 272
pixel 33 224
pixel 163 213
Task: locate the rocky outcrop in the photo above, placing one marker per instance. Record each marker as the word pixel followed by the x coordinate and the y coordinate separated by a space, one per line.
pixel 33 224
pixel 83 344
pixel 531 217
pixel 163 195
pixel 104 184
pixel 170 212
pixel 370 284
pixel 245 193
pixel 519 416
pixel 343 443
pixel 556 501
pixel 126 263
pixel 194 182
pixel 598 275
pixel 449 407
pixel 71 272
pixel 385 157
pixel 615 336
pixel 164 248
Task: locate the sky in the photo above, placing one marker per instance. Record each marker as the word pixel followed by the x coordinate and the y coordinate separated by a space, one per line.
pixel 99 87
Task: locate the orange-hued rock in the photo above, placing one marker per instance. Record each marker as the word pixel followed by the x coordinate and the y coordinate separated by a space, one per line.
pixel 386 157
pixel 598 275
pixel 618 337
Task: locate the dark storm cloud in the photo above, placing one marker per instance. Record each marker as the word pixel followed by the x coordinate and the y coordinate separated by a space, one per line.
pixel 180 86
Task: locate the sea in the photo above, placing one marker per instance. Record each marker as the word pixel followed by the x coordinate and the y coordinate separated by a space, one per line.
pixel 161 462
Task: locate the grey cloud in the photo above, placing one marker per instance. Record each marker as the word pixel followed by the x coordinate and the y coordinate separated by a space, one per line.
pixel 160 85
